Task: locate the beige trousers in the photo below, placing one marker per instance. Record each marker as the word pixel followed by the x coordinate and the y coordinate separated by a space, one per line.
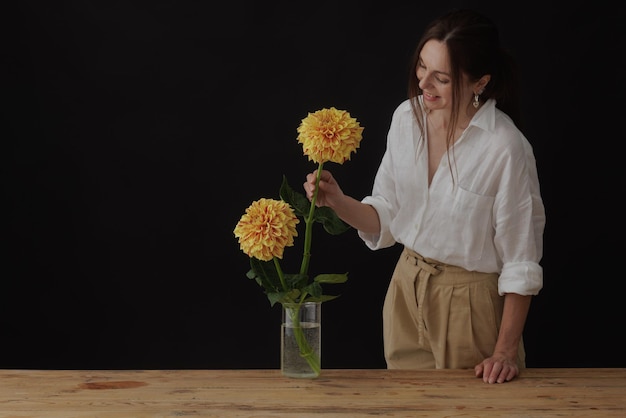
pixel 440 316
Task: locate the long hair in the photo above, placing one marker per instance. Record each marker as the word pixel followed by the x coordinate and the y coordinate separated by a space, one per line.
pixel 474 49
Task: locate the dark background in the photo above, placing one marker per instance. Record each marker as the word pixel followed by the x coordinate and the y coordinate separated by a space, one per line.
pixel 136 134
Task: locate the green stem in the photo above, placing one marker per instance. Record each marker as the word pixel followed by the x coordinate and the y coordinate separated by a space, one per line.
pixel 281 275
pixel 305 348
pixel 309 221
pixel 306 351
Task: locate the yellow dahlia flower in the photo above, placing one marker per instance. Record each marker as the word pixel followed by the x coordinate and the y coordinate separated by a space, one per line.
pixel 267 227
pixel 329 135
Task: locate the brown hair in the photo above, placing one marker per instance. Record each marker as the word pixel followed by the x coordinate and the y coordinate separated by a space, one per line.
pixel 473 44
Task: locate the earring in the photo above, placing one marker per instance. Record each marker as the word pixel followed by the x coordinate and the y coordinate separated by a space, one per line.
pixel 476 103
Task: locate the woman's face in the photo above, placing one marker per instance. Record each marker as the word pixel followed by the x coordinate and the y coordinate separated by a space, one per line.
pixel 433 73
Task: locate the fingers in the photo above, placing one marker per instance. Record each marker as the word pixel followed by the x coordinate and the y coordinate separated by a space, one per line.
pixel 308 189
pixel 493 375
pixel 311 178
pixel 513 372
pixel 309 184
pixel 496 371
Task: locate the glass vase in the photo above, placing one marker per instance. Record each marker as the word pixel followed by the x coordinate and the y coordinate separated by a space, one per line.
pixel 301 338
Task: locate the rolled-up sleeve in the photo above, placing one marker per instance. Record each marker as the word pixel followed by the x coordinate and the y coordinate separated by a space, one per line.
pixel 384 238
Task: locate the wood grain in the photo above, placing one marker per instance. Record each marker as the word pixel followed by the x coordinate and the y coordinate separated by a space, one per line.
pixel 336 393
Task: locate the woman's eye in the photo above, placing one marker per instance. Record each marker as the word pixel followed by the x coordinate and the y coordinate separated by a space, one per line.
pixel 442 81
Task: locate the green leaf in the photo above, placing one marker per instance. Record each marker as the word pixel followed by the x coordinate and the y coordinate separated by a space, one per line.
pixel 314 289
pixel 332 223
pixel 275 297
pixel 331 278
pixel 322 298
pixel 296 281
pixel 298 201
pixel 283 297
pixel 265 274
pixel 253 276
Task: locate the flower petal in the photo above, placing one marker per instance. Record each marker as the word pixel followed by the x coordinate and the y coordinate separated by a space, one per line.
pixel 329 135
pixel 267 227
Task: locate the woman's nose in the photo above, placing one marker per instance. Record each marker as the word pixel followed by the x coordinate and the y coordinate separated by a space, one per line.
pixel 424 81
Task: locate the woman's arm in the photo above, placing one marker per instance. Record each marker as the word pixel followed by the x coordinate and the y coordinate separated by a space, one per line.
pixel 502 365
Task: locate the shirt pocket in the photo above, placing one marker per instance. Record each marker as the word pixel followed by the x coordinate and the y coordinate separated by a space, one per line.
pixel 462 224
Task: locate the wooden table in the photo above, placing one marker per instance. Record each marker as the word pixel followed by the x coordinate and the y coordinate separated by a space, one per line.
pixel 336 393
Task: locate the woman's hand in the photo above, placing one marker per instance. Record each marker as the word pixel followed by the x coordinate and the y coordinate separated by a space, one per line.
pixel 356 214
pixel 329 191
pixel 497 369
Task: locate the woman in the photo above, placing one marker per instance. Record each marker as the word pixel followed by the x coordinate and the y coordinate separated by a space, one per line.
pixel 458 188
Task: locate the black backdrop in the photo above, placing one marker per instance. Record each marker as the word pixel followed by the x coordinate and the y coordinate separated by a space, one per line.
pixel 138 132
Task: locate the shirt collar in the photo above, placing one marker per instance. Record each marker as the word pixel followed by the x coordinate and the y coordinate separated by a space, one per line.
pixel 485 118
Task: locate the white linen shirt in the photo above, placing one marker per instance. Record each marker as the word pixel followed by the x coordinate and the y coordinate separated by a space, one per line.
pixel 490 218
